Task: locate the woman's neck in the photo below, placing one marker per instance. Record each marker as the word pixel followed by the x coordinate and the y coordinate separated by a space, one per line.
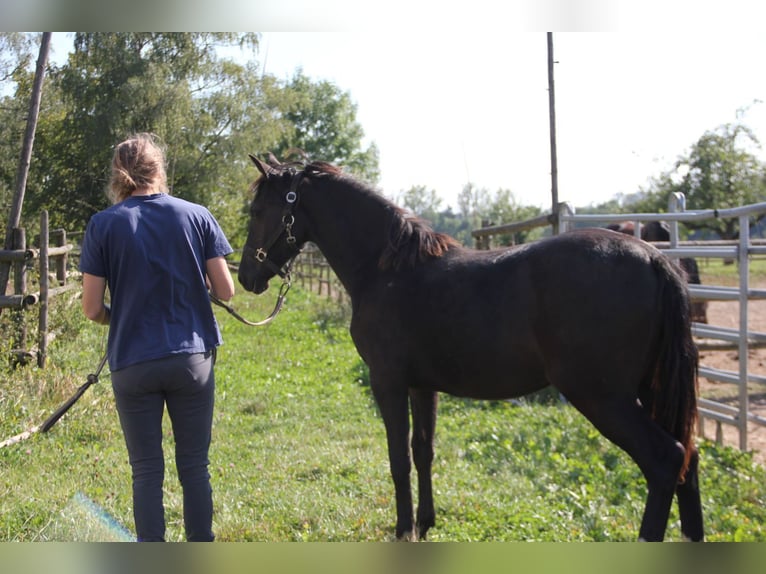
pixel 146 191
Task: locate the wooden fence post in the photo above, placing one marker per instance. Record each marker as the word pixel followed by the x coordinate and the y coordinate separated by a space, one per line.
pixel 19 242
pixel 58 237
pixel 486 241
pixel 42 341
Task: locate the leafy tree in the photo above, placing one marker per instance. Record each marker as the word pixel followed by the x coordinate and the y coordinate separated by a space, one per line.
pixel 16 54
pixel 718 172
pixel 324 126
pixel 474 203
pixel 117 84
pixel 455 225
pixel 620 203
pixel 504 208
pixel 422 201
pixel 16 59
pixel 477 206
pixel 210 112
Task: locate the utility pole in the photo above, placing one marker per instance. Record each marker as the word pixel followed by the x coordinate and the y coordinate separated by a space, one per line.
pixel 554 160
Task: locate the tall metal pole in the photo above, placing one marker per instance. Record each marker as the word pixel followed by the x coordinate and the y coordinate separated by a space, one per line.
pixel 554 161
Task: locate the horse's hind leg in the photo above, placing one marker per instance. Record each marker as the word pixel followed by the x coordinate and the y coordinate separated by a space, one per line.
pixel 659 456
pixel 423 405
pixel 689 504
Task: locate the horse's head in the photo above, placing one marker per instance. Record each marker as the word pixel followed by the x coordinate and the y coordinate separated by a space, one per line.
pixel 274 234
pixel 655 231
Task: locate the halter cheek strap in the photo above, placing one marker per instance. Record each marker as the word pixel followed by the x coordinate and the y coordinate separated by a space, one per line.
pixel 261 254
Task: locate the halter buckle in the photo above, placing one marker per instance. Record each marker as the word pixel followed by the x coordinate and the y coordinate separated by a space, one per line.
pixel 288 221
pixel 260 255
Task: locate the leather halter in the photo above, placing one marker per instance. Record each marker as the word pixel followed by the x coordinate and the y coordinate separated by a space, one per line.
pixel 261 254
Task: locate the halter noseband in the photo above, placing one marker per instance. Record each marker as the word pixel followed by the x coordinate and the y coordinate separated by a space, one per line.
pixel 261 254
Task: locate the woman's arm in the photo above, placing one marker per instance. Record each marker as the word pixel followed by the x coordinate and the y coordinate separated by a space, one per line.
pixel 93 290
pixel 219 278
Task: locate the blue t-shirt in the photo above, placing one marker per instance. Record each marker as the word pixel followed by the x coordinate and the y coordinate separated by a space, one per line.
pixel 152 251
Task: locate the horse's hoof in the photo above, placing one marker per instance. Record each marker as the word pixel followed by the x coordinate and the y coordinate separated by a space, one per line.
pixel 409 536
pixel 686 538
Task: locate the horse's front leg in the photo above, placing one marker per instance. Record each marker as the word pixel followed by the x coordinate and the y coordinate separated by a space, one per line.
pixel 393 409
pixel 423 405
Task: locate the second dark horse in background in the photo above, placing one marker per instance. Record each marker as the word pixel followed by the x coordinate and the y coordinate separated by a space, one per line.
pixel 601 316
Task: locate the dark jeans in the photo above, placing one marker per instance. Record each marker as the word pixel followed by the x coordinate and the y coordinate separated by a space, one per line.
pixel 186 384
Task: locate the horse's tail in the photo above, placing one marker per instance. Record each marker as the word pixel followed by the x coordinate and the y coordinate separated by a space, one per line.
pixel 674 380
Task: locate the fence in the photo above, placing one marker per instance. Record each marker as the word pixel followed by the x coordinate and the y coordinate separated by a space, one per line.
pixel 311 270
pixel 741 251
pixel 21 257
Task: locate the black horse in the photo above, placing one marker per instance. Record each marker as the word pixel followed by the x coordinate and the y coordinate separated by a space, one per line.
pixel 660 231
pixel 601 316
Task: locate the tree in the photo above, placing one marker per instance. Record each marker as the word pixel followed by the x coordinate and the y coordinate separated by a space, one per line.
pixel 719 172
pixel 14 217
pixel 324 126
pixel 473 203
pixel 210 112
pixel 15 54
pixel 16 58
pixel 426 203
pixel 476 206
pixel 504 208
pixel 117 84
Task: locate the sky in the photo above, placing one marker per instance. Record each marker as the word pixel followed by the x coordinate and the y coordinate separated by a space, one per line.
pixel 455 106
pixel 450 108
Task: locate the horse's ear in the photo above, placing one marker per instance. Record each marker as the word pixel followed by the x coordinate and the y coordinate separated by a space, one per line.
pixel 262 167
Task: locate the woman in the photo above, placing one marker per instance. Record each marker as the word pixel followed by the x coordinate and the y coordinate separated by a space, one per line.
pixel 158 255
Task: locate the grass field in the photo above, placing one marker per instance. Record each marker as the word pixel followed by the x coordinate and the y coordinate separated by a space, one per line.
pixel 720 272
pixel 299 451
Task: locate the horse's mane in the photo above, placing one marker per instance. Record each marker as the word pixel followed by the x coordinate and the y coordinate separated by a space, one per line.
pixel 410 238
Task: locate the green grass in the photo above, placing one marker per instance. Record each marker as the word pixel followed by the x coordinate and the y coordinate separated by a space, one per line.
pixel 720 272
pixel 299 450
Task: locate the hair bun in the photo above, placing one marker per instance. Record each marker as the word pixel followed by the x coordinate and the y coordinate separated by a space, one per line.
pixel 138 163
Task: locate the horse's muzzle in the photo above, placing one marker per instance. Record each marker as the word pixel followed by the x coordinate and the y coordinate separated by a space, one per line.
pixel 250 282
pixel 256 287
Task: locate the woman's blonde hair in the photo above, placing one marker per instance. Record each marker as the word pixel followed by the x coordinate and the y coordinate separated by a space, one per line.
pixel 138 163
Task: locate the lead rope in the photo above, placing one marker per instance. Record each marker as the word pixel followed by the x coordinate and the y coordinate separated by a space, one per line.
pixel 53 419
pixel 277 307
pixel 93 377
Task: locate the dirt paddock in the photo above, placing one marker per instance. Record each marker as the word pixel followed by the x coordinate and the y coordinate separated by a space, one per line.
pixel 726 314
